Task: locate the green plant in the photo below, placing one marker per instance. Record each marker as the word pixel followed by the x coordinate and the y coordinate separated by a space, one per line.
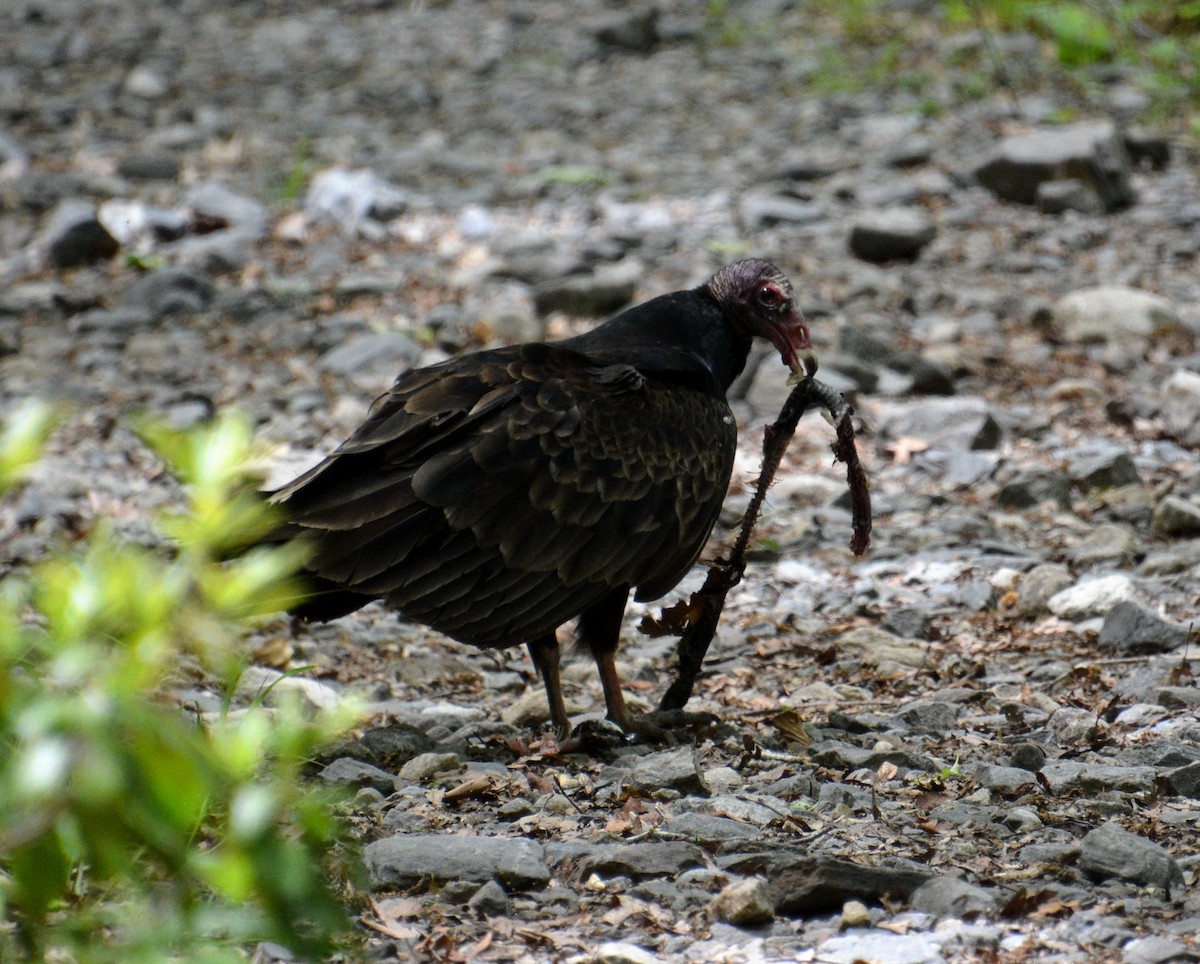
pixel 581 175
pixel 130 830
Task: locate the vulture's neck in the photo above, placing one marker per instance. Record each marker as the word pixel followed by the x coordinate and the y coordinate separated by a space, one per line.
pixel 683 338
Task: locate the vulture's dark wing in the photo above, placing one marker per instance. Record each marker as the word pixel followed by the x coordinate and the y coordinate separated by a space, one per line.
pixel 495 496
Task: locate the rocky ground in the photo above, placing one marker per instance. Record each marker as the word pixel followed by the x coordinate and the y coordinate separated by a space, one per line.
pixel 978 743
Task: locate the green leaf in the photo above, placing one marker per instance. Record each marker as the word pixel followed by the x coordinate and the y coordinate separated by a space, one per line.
pixel 22 437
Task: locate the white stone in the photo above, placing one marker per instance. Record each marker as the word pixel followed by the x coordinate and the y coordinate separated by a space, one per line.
pixel 1092 597
pixel 1113 313
pixel 1181 406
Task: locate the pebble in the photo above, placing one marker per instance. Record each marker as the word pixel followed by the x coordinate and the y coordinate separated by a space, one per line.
pixel 74 236
pixel 891 234
pixel 590 295
pixel 1091 152
pixel 405 860
pixel 1131 628
pixel 945 896
pixel 1113 313
pixel 1111 851
pixel 1092 597
pixel 169 292
pixel 1174 516
pixel 744 902
pixel 348 198
pixel 1181 406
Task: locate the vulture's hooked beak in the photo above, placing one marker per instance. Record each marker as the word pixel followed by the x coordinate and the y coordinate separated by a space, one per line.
pixel 791 338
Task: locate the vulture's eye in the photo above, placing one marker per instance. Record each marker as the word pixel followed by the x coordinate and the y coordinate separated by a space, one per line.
pixel 771 297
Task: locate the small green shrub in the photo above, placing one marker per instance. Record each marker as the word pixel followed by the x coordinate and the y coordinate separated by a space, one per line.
pixel 129 829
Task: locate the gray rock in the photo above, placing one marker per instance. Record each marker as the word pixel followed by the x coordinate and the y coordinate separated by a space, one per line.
pixel 405 860
pixel 764 210
pixel 171 291
pixel 349 198
pixel 891 234
pixel 149 167
pixel 424 766
pixel 1111 851
pixel 1103 467
pixel 881 946
pixel 1065 775
pixel 1027 756
pixel 222 207
pixel 74 236
pixel 1039 584
pixel 585 296
pixel 1177 697
pixel 745 903
pixel 1007 781
pixel 363 352
pixel 219 252
pixel 1032 487
pixel 704 828
pixel 347 770
pixel 801 886
pixel 963 422
pixel 929 376
pixel 1148 147
pixel 843 796
pixel 1090 152
pixel 649 859
pixel 1185 781
pixel 929 716
pixel 490 900
pixel 1055 197
pixel 815 163
pixel 633 31
pixel 1181 406
pixel 1113 313
pixel 677 769
pixel 112 325
pixel 1130 628
pixel 909 151
pixel 14 159
pixel 394 745
pixel 1174 516
pixel 515 809
pixel 946 896
pixel 1114 545
pixel 146 83
pixel 1155 949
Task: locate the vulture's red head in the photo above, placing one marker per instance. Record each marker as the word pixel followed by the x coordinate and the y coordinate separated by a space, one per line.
pixel 758 300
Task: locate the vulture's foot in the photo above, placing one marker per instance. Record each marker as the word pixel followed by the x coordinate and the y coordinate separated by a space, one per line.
pixel 660 728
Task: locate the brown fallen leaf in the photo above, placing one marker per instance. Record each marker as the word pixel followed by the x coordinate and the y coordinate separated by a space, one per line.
pixel 479 786
pixel 789 723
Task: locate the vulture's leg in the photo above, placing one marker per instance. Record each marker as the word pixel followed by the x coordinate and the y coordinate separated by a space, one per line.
pixel 600 631
pixel 545 654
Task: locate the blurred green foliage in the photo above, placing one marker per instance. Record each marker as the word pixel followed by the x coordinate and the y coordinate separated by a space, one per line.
pixel 131 830
pixel 851 45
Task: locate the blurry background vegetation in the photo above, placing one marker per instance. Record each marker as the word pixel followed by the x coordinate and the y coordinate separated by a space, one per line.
pixel 130 828
pixel 1084 45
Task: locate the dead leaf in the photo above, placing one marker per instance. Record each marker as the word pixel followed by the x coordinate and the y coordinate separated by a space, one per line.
pixel 788 723
pixel 479 786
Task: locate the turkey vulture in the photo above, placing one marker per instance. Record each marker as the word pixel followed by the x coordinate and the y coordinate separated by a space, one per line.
pixel 497 495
